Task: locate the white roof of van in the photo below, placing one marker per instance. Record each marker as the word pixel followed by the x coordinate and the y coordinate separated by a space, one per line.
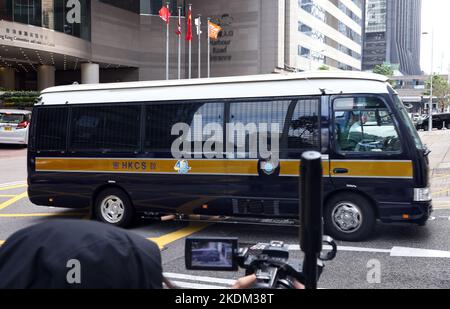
pixel 224 80
pixel 294 84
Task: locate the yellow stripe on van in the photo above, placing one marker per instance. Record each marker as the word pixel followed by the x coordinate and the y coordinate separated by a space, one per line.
pixel 361 169
pixel 365 169
pixel 151 166
pixel 292 168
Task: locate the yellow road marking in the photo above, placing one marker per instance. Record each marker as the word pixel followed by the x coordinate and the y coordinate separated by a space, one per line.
pixel 37 215
pixel 2 195
pixel 441 192
pixel 182 233
pixel 13 200
pixel 12 187
pixel 440 176
pixel 160 241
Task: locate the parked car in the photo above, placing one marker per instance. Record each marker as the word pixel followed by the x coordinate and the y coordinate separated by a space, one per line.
pixel 14 126
pixel 440 121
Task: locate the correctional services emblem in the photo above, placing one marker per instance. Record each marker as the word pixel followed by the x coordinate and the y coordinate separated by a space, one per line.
pixel 182 167
pixel 268 167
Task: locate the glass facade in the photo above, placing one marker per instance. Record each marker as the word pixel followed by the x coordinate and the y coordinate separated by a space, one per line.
pixel 130 5
pixel 72 17
pixel 152 7
pixel 376 16
pixel 319 11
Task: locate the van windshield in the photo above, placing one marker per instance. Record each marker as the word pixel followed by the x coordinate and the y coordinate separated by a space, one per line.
pixel 408 122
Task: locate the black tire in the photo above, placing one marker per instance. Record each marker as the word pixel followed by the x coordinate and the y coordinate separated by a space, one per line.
pixel 366 217
pixel 117 198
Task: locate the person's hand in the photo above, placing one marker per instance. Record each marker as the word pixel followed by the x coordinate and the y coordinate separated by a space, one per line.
pixel 246 283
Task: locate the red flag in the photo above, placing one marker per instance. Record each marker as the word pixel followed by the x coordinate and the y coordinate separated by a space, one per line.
pixel 189 26
pixel 164 13
pixel 178 31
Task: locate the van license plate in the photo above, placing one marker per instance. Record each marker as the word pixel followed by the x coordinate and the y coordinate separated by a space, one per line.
pixel 8 128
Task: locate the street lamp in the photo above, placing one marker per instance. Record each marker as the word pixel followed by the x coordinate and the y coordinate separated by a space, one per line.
pixel 430 119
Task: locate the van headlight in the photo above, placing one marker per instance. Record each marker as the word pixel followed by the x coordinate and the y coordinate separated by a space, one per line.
pixel 422 195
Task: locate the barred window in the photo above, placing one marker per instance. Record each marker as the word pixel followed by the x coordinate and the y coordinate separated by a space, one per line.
pixel 51 129
pixel 297 121
pixel 106 128
pixel 161 118
pixel 304 129
pixel 252 115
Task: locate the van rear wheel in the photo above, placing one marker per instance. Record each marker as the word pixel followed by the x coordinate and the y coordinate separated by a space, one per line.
pixel 349 217
pixel 113 207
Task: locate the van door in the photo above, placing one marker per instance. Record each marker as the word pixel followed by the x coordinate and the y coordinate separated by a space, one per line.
pixel 368 163
pixel 260 187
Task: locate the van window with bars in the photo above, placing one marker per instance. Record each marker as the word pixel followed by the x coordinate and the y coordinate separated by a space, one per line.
pixel 254 123
pixel 51 129
pixel 296 120
pixel 304 128
pixel 106 129
pixel 161 118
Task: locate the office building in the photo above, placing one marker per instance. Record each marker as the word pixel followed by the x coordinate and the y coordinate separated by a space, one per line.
pixel 55 42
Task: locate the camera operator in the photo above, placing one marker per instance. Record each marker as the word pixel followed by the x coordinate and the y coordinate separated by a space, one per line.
pixel 73 254
pixel 110 258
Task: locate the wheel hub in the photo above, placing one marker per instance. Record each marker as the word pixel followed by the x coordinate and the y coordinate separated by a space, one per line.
pixel 347 217
pixel 112 209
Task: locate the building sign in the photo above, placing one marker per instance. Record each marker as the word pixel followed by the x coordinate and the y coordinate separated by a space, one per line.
pixel 13 32
pixel 220 49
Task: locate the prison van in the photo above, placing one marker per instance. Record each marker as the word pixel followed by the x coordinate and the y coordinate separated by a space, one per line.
pixel 165 149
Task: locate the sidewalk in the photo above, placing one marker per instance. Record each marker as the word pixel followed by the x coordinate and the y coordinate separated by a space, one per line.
pixel 439 144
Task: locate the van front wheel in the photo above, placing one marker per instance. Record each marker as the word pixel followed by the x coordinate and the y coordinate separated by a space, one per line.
pixel 349 217
pixel 113 206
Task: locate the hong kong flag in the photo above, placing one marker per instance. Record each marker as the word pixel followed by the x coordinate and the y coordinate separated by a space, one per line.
pixel 164 13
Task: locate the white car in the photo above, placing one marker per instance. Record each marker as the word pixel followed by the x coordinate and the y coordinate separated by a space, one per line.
pixel 14 126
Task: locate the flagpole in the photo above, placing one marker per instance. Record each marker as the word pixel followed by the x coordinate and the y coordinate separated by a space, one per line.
pixel 179 43
pixel 209 50
pixel 190 48
pixel 199 33
pixel 167 44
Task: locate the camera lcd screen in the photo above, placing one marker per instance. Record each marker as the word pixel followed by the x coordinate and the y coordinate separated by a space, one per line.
pixel 211 254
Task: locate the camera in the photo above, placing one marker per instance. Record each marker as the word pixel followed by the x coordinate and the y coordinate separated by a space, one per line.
pixel 271 263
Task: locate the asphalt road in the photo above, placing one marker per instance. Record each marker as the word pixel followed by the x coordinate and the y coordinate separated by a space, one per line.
pixel 408 256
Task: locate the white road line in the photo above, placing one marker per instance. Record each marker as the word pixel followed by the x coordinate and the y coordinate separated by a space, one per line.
pixel 348 249
pixel 419 253
pixel 197 286
pixel 2 185
pixel 394 252
pixel 199 278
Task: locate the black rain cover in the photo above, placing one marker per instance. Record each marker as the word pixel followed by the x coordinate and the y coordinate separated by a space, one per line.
pixel 109 257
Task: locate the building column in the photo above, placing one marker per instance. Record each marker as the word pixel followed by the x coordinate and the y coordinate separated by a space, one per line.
pixel 45 77
pixel 90 73
pixel 7 78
